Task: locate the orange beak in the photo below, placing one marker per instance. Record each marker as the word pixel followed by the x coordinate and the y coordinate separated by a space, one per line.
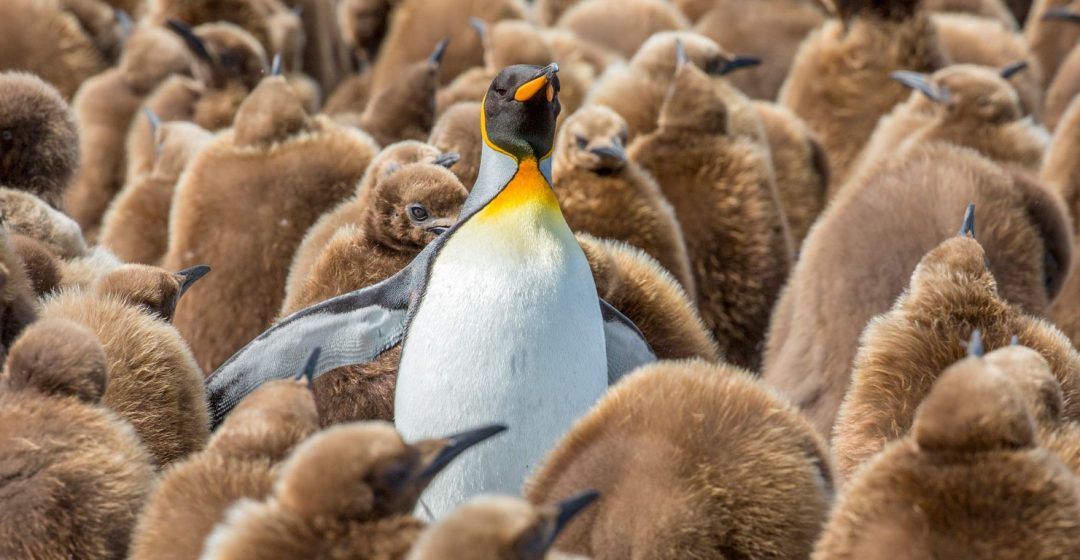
pixel 529 89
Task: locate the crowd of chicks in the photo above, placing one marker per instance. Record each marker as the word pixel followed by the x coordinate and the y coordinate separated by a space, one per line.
pixel 850 366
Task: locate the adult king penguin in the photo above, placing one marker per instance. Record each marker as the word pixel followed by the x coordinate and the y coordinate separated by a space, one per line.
pixel 498 318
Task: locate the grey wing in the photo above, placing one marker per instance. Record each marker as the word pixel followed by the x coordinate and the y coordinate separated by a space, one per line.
pixel 627 348
pixel 353 328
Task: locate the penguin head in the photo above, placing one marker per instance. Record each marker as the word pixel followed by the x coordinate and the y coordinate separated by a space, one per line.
pixel 58 357
pixel 39 143
pixel 519 111
pixel 593 138
pixel 149 287
pixel 413 204
pixel 965 93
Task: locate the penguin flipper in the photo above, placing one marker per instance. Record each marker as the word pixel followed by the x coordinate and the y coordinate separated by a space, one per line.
pixel 352 328
pixel 627 348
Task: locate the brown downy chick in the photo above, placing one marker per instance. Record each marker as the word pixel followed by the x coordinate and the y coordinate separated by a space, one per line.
pixel 39 142
pixel 326 59
pixel 650 296
pixel 290 166
pixel 621 25
pixel 41 38
pixel 719 185
pixel 26 214
pixel 405 108
pixel 975 40
pixel 104 108
pixel 241 460
pixel 42 266
pixel 18 301
pixel 351 95
pixel 691 460
pixel 75 475
pixel 603 194
pixel 407 209
pixel 901 353
pixel 965 105
pixel 154 382
pixel 501 528
pixel 1061 172
pixel 771 30
pixel 351 210
pixel 458 131
pixel 136 226
pixel 102 24
pixel 1063 89
pixel 839 80
pixel 969 482
pixel 547 12
pixel 270 22
pixel 347 492
pixel 415 25
pixel 363 25
pixel 993 10
pixel 1052 32
pixel 909 204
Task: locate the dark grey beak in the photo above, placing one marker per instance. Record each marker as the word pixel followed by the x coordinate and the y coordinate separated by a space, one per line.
pixel 567 510
pixel 189 276
pixel 614 151
pixel 975 345
pixel 275 66
pixel 480 26
pixel 125 22
pixel 308 370
pixel 447 159
pixel 920 82
pixel 1063 14
pixel 456 445
pixel 439 52
pixel 680 53
pixel 193 41
pixel 1010 70
pixel 549 71
pixel 155 121
pixel 968 226
pixel 737 63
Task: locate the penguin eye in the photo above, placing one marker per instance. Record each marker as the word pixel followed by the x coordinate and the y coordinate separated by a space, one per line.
pixel 501 91
pixel 7 135
pixel 418 213
pixel 582 141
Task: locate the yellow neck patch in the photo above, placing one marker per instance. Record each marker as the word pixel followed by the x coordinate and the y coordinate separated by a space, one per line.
pixel 528 187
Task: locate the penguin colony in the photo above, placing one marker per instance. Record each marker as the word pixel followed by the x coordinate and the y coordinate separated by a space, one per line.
pixel 539 279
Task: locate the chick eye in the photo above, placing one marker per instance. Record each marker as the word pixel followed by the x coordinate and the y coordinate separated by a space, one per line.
pixel 7 135
pixel 582 141
pixel 418 212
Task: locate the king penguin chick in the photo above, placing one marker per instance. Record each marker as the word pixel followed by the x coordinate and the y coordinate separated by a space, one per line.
pixel 136 226
pixel 290 166
pixel 842 278
pixel 651 297
pixel 603 194
pixel 501 528
pixel 363 25
pixel 1061 172
pixel 351 210
pixel 770 30
pixel 75 475
pixel 39 142
pixel 951 294
pixel 153 381
pixel 1052 32
pixel 26 214
pixel 719 185
pixel 41 265
pixel 458 131
pixel 969 482
pixel 838 82
pixel 104 109
pixel 965 105
pixel 241 460
pixel 347 492
pixel 983 42
pixel 1065 84
pixel 751 479
pixel 18 301
pixel 415 25
pixel 42 38
pixel 409 207
pixel 621 25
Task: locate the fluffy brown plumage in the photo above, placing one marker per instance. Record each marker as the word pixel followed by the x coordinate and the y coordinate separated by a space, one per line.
pixel 41 37
pixel 1051 38
pixel 26 214
pixel 276 162
pixel 104 109
pixel 994 10
pixel 719 185
pixel 154 382
pixel 404 109
pixel 751 479
pixel 621 25
pixel 839 80
pixel 650 296
pixel 18 301
pixel 136 226
pixel 770 30
pixel 39 142
pixel 458 131
pixel 41 265
pixel 1061 172
pixel 347 492
pixel 75 474
pixel 1063 89
pixel 902 352
pixel 270 22
pixel 603 194
pixel 969 482
pixel 241 460
pixel 861 254
pixel 351 94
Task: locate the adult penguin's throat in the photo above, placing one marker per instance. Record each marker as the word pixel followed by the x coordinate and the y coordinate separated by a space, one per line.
pixel 528 188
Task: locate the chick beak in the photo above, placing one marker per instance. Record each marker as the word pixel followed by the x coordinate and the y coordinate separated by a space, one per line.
pixel 307 372
pixel 452 446
pixel 737 62
pixel 189 276
pixel 436 57
pixel 275 66
pixel 920 82
pixel 1063 14
pixel 542 82
pixel 613 151
pixel 564 512
pixel 193 41
pixel 447 159
pixel 1010 70
pixel 439 227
